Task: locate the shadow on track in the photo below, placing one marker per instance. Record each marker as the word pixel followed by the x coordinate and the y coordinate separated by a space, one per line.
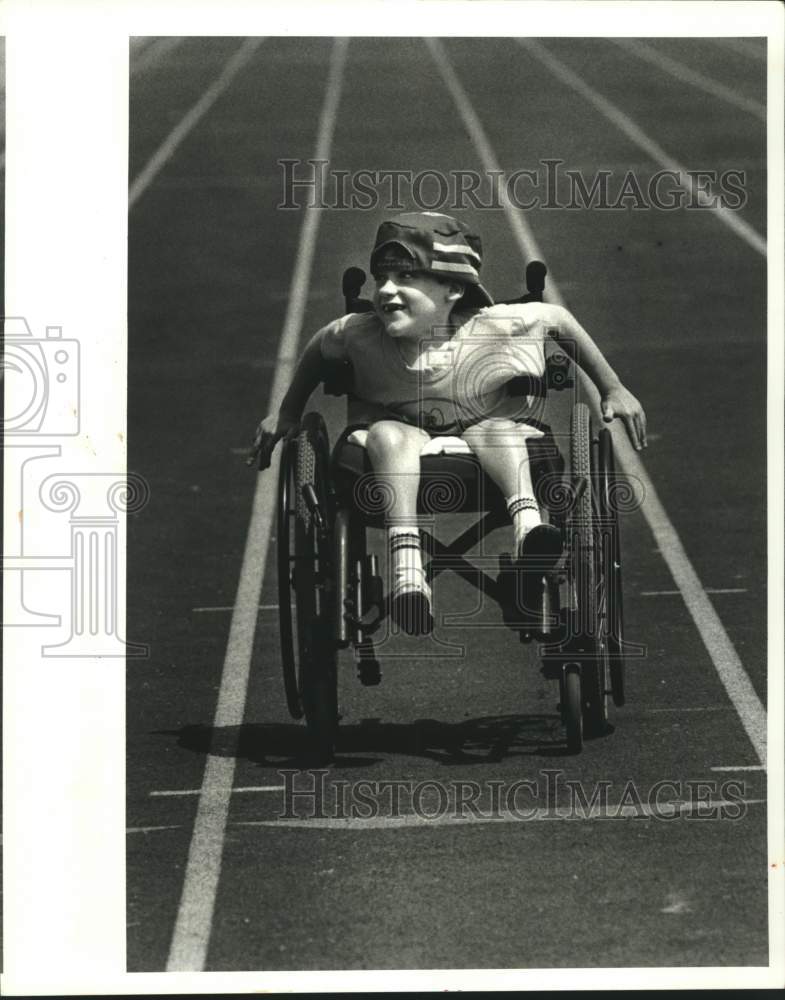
pixel 473 741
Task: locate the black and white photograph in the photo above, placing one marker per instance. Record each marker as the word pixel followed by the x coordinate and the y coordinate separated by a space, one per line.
pixel 435 563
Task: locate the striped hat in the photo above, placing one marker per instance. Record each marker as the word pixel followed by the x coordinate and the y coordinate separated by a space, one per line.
pixel 435 243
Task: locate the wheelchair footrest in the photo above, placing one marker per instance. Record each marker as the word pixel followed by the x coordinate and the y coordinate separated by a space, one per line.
pixel 527 600
pixel 364 600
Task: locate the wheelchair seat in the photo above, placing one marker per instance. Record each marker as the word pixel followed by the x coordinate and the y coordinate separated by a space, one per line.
pixel 450 482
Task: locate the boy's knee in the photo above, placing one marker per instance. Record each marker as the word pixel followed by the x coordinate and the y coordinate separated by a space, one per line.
pixel 386 436
pixel 488 431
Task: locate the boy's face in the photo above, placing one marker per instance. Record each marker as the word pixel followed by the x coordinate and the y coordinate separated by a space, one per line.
pixel 411 303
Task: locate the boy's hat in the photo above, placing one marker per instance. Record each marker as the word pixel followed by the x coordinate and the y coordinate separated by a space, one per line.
pixel 435 243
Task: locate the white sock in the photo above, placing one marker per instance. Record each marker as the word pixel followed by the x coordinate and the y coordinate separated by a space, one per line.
pixel 525 513
pixel 406 553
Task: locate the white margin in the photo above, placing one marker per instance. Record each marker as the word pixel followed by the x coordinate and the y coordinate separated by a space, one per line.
pixel 50 289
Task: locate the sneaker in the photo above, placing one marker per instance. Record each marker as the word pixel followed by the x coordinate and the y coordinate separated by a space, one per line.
pixel 410 603
pixel 541 548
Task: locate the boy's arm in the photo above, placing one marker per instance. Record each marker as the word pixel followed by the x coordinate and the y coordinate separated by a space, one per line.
pixel 616 400
pixel 310 371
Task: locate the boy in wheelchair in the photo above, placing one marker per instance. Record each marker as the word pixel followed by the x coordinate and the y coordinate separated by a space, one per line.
pixel 431 362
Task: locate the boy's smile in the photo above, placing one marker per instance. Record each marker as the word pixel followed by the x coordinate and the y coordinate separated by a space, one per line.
pixel 411 303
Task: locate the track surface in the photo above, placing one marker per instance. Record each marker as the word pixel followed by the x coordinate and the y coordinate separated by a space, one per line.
pixel 676 300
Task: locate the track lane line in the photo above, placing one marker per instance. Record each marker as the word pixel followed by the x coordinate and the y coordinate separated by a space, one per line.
pixel 191 935
pixel 692 708
pixel 680 71
pixel 190 119
pixel 734 677
pixel 739 767
pixel 175 792
pixel 152 829
pixel 709 590
pixel 153 53
pixel 610 814
pixel 744 47
pixel 635 133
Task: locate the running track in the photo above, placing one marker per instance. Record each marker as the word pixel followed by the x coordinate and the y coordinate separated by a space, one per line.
pixel 222 286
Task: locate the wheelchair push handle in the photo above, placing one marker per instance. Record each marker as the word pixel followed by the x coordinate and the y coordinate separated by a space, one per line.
pixel 536 272
pixel 351 286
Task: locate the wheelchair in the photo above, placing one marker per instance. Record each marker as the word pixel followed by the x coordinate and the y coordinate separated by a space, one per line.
pixel 331 593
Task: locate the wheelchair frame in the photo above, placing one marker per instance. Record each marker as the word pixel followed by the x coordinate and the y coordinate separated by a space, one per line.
pixel 574 611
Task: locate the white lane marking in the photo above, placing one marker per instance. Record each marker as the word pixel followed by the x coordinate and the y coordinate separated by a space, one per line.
pixel 191 118
pixel 636 134
pixel 709 708
pixel 610 814
pixel 740 767
pixel 688 75
pixel 235 791
pixel 726 661
pixel 153 54
pixel 230 607
pixel 151 829
pixel 195 915
pixel 707 590
pixel 676 904
pixel 744 48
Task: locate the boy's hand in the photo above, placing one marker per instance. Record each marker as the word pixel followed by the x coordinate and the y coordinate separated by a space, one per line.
pixel 618 402
pixel 268 434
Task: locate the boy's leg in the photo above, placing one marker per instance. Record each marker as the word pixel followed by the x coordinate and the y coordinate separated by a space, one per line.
pixel 394 452
pixel 500 447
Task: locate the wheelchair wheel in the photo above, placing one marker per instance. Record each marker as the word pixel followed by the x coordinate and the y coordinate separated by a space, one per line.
pixel 310 677
pixel 587 626
pixel 285 551
pixel 612 566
